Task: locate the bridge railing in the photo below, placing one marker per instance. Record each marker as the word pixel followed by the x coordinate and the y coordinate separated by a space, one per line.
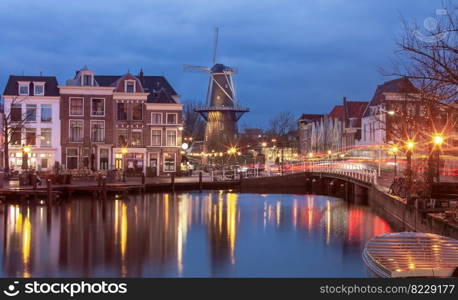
pixel 354 171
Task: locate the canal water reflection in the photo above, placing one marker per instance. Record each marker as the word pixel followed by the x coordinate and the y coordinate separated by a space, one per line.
pixel 188 234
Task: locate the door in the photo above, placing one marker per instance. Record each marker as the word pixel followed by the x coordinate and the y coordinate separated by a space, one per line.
pixel 153 165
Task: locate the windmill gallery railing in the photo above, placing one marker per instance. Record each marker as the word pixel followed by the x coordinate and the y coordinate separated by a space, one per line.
pixel 342 168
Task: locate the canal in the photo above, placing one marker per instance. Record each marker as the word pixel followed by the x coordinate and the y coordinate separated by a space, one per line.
pixel 188 234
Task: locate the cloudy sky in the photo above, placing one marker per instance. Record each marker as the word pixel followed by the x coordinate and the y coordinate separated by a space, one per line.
pixel 299 56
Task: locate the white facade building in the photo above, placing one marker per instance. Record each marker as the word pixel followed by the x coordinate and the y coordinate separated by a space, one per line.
pixel 33 102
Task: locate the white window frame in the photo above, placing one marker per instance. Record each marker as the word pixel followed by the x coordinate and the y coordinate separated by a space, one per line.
pixel 174 165
pixel 151 136
pixel 87 74
pixel 77 156
pixel 104 131
pixel 130 81
pixel 23 83
pixel 167 118
pixel 156 113
pixel 69 130
pixel 70 107
pixel 141 140
pixel 40 109
pixel 35 84
pixel 104 108
pixel 41 140
pixel 176 137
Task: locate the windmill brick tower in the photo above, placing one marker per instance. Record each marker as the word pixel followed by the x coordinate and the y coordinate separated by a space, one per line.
pixel 222 110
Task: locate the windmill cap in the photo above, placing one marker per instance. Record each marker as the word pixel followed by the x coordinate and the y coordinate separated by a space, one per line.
pixel 219 68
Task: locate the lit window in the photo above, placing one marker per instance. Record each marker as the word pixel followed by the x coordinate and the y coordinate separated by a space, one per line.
pixel 137 138
pixel 169 162
pixel 45 139
pixel 31 136
pixel 121 137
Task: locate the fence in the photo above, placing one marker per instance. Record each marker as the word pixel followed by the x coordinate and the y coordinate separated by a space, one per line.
pixel 333 167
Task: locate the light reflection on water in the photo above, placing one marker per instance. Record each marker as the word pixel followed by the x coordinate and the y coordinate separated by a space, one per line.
pixel 188 234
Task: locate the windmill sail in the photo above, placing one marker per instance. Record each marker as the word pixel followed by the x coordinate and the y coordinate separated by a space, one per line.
pixel 221 110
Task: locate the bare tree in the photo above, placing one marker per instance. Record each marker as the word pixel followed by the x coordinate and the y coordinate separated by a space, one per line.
pixel 194 125
pixel 281 125
pixel 429 58
pixel 13 122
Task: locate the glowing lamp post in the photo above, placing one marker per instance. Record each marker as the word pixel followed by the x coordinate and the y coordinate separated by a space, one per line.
pixel 394 150
pixel 25 156
pixel 410 145
pixel 438 140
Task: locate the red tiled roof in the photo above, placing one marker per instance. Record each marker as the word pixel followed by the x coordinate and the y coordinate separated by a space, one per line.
pixel 337 112
pixel 311 117
pixel 355 109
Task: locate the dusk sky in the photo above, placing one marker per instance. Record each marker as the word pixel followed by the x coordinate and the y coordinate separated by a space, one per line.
pixel 301 56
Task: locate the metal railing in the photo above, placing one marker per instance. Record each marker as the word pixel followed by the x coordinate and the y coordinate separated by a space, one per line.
pixel 332 167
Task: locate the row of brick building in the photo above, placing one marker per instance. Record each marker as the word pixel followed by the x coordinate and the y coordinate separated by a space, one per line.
pixel 366 128
pixel 95 122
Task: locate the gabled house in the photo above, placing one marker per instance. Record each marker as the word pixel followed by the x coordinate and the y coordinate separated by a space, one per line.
pixel 377 127
pixel 129 122
pixel 86 122
pixel 305 131
pixel 353 113
pixel 32 104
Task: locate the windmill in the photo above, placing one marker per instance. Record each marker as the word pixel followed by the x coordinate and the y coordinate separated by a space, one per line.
pixel 222 110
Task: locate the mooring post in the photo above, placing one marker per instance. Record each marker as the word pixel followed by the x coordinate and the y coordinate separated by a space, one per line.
pixel 49 191
pixel 104 184
pixel 200 181
pixel 34 181
pixel 99 179
pixel 143 179
pixel 172 182
pixel 123 176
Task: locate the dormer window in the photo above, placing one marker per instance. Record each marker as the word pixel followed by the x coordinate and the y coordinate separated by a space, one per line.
pixel 39 89
pixel 130 86
pixel 24 88
pixel 87 79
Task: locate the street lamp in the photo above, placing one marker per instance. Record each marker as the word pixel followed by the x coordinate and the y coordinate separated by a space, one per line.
pixel 394 150
pixel 124 152
pixel 410 144
pixel 438 140
pixel 25 156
